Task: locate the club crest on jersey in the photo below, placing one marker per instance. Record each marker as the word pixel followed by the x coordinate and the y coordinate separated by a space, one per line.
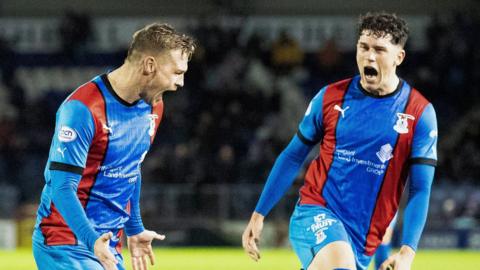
pixel 67 134
pixel 401 126
pixel 152 118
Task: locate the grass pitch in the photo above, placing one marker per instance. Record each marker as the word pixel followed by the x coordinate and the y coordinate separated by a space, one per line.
pixel 235 259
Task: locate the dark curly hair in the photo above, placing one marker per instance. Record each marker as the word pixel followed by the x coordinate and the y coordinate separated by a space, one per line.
pixel 381 24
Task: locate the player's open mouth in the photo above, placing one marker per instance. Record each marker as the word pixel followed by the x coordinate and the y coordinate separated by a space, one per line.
pixel 370 73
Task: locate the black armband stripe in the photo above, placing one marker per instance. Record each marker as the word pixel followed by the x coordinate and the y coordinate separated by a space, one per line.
pixel 426 161
pixel 57 166
pixel 305 140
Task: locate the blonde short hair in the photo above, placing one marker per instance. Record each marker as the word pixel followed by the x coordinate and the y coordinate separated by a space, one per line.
pixel 155 38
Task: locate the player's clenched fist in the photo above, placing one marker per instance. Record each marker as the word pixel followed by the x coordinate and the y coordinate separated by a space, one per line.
pixel 251 236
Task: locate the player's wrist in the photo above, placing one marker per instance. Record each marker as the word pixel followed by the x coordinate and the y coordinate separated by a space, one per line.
pixel 407 252
pixel 257 217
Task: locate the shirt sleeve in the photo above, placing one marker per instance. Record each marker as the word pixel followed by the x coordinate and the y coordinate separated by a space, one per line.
pixel 283 174
pixel 424 147
pixel 135 225
pixel 310 130
pixel 64 196
pixel 74 131
pixel 415 216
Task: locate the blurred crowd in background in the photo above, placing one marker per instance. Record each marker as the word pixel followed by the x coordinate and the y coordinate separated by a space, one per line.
pixel 241 105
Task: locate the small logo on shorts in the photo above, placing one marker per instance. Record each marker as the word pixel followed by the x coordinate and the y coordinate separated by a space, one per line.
pixel 320 225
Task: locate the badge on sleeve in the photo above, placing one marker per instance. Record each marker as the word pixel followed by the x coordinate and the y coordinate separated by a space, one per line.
pixel 67 134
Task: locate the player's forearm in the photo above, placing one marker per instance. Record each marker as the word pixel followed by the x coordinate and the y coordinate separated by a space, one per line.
pixel 415 216
pixel 134 225
pixel 64 197
pixel 282 175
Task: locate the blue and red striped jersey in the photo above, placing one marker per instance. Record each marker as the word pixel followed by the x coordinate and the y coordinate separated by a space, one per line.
pixel 105 139
pixel 366 146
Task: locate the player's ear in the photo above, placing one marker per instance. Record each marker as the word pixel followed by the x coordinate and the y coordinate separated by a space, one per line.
pixel 400 57
pixel 149 65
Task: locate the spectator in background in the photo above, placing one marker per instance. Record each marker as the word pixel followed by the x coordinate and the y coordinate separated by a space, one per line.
pixel 75 32
pixel 286 53
pixel 7 62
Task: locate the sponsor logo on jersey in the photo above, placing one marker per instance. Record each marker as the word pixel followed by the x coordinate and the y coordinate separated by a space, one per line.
pixel 107 129
pixel 152 118
pixel 62 151
pixel 67 134
pixel 341 110
pixel 385 153
pixel 401 126
pixel 349 156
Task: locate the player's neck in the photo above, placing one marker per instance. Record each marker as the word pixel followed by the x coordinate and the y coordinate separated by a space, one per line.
pixel 385 88
pixel 123 81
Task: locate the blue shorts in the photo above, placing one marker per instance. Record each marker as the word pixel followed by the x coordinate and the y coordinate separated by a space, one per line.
pixel 67 257
pixel 312 227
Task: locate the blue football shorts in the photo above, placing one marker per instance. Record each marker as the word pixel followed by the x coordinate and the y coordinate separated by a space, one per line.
pixel 312 227
pixel 68 257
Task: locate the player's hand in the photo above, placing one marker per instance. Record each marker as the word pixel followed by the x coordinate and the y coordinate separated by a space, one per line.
pixel 140 247
pixel 402 260
pixel 101 250
pixel 251 236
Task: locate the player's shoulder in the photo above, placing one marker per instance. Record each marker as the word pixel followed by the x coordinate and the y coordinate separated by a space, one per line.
pixel 89 94
pixel 417 99
pixel 340 85
pixel 418 104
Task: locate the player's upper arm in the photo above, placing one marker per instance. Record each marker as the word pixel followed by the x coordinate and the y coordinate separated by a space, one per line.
pixel 74 132
pixel 424 147
pixel 310 130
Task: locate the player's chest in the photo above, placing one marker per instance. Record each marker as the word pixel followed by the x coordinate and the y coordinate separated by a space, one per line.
pixel 364 120
pixel 129 134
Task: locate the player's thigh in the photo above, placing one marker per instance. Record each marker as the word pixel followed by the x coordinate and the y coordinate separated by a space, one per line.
pixel 335 255
pixel 313 229
pixel 64 258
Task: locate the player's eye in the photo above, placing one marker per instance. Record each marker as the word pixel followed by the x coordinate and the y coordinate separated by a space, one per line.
pixel 363 47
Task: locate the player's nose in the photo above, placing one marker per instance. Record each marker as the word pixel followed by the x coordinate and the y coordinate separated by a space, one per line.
pixel 179 83
pixel 371 56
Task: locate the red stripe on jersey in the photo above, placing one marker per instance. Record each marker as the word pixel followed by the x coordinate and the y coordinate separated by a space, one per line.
pixel 54 228
pixel 395 178
pixel 157 109
pixel 119 245
pixel 317 173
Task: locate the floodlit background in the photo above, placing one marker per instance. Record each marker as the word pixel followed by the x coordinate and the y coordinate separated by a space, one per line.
pixel 257 66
